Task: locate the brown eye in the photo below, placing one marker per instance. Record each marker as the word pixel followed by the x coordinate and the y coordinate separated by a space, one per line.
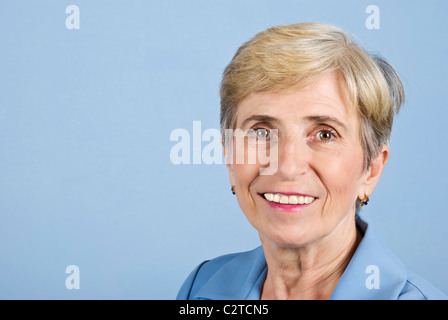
pixel 324 135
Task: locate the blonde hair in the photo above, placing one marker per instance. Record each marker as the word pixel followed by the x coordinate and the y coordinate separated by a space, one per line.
pixel 292 56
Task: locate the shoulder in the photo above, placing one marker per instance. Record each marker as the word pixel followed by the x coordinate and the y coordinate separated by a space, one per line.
pixel 201 274
pixel 222 277
pixel 376 273
pixel 417 288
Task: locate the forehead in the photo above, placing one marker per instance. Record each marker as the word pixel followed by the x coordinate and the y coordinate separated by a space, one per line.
pixel 326 96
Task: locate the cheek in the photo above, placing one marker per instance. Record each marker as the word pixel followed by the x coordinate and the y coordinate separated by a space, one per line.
pixel 245 169
pixel 342 179
pixel 244 175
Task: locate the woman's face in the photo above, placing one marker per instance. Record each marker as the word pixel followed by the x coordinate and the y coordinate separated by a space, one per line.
pixel 319 168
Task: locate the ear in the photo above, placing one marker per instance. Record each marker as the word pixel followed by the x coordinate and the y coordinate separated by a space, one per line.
pixel 229 161
pixel 374 172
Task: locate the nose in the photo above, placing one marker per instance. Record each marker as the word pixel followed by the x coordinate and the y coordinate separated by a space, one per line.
pixel 293 158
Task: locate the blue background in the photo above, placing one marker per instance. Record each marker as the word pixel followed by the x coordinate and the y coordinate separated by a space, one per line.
pixel 85 121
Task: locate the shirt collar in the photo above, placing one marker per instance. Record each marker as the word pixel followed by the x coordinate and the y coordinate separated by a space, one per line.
pixel 239 279
pixel 374 273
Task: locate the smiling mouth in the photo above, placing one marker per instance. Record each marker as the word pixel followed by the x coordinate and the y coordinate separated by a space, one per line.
pixel 287 199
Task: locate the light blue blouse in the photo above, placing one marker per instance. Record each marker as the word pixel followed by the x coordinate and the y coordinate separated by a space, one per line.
pixel 374 273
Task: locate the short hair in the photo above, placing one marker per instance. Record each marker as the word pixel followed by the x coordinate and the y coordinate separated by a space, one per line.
pixel 289 57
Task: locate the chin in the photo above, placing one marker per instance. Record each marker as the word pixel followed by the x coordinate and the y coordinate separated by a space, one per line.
pixel 289 237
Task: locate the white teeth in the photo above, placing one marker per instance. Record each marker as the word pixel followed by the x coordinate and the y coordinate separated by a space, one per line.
pixel 284 199
pixel 269 196
pixel 293 200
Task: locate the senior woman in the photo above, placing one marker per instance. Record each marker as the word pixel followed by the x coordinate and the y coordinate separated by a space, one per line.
pixel 322 108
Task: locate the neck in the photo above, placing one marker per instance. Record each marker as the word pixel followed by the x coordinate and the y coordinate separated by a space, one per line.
pixel 311 271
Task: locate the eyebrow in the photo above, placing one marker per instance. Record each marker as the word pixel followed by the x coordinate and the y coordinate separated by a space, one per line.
pixel 259 118
pixel 326 119
pixel 321 119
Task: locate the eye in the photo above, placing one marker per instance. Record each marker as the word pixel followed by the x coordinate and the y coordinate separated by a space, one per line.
pixel 262 133
pixel 325 135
